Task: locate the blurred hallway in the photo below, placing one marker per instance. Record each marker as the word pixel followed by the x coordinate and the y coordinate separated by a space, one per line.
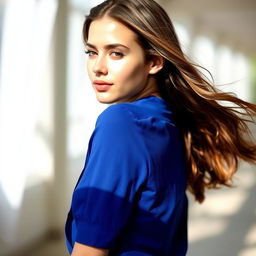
pixel 48 110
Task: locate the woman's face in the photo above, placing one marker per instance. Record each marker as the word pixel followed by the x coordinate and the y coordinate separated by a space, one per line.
pixel 116 62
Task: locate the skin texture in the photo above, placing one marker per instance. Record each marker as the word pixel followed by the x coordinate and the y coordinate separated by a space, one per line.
pixel 85 250
pixel 115 56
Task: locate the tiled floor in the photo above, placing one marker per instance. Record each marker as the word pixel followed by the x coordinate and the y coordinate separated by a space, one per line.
pixel 224 225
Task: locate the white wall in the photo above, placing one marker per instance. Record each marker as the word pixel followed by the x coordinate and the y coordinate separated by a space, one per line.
pixel 26 123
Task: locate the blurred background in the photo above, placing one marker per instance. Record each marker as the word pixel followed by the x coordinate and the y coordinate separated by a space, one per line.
pixel 48 111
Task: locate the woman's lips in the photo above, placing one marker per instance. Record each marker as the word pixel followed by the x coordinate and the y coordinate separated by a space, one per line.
pixel 102 86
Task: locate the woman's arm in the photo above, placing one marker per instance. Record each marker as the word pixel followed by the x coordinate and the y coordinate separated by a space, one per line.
pixel 85 250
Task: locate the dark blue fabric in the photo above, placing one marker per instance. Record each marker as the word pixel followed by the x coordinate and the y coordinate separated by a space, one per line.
pixel 130 197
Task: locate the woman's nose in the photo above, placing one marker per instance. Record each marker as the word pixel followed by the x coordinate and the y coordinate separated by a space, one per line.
pixel 100 66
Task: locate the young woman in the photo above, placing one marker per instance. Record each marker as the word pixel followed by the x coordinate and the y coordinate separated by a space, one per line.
pixel 166 132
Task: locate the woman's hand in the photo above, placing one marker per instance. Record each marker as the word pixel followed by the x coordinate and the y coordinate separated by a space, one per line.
pixel 85 250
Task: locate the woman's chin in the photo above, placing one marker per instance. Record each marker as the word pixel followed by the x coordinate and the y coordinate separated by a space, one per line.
pixel 105 99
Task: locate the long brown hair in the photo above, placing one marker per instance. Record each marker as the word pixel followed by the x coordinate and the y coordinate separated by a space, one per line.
pixel 215 135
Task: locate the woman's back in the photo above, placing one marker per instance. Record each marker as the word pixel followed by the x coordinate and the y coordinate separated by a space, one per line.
pixel 135 173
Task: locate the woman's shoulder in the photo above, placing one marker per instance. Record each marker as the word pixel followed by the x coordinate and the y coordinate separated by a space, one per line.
pixel 146 112
pixel 117 121
pixel 117 114
pixel 116 129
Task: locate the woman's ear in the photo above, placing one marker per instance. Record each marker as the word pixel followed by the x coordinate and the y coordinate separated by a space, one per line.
pixel 156 64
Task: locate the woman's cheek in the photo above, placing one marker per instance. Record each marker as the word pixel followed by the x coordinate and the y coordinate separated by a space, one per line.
pixel 117 66
pixel 124 69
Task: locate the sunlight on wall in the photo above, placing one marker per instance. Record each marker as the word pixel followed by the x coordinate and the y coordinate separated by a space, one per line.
pixel 183 35
pixel 94 2
pixel 76 84
pixel 225 64
pixel 233 72
pixel 84 5
pixel 23 150
pixel 204 54
pixel 217 206
pixel 197 230
pixel 248 252
pixel 230 69
pixel 241 76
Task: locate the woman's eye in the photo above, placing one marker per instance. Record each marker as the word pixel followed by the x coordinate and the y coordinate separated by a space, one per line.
pixel 90 53
pixel 117 54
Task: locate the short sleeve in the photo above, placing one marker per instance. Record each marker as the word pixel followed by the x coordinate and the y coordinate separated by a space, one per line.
pixel 116 168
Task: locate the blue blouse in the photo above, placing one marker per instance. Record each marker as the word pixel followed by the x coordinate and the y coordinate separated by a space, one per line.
pixel 130 197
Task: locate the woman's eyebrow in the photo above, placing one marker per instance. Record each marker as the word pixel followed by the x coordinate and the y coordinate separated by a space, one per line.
pixel 108 46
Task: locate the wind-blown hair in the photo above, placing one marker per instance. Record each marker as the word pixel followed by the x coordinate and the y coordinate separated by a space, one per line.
pixel 216 135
